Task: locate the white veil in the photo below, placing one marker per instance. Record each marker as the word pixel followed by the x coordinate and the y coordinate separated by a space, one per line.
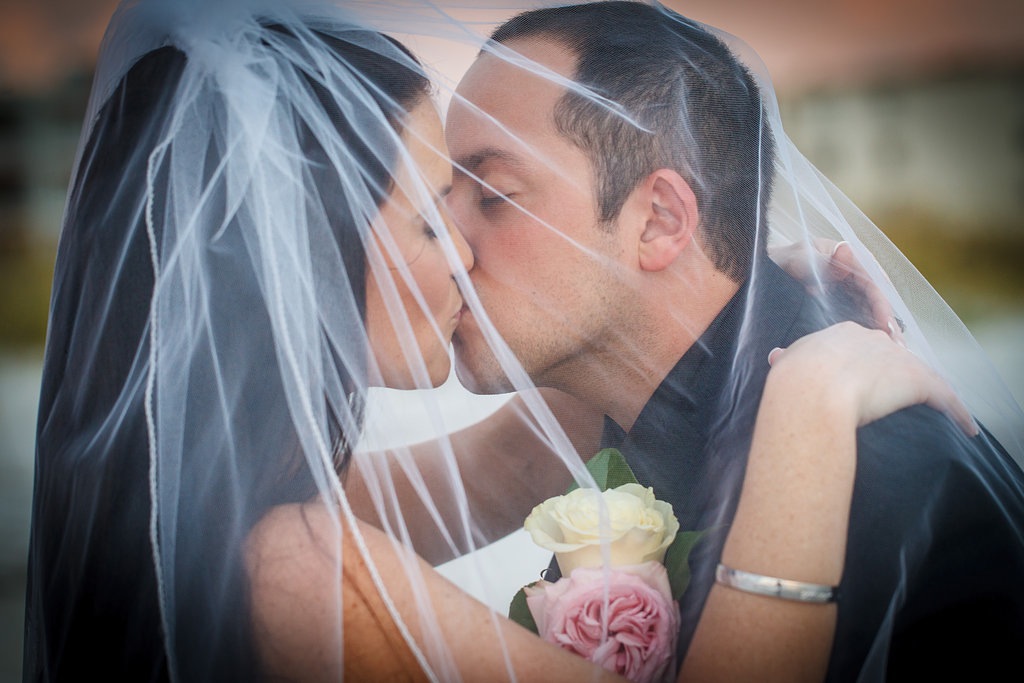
pixel 208 356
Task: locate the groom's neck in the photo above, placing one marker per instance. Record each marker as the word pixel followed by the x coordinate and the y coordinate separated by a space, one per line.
pixel 620 378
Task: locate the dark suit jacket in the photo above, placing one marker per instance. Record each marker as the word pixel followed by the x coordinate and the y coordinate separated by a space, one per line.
pixel 933 585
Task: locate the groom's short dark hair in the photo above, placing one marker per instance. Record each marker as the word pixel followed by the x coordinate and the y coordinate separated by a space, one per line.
pixel 696 109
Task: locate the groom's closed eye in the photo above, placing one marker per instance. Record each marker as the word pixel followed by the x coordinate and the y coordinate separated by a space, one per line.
pixel 493 173
pixel 491 199
pixel 495 190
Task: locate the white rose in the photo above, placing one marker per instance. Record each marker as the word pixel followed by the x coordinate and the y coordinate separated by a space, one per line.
pixel 638 527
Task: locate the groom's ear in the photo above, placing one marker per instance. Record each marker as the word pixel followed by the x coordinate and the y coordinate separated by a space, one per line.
pixel 669 215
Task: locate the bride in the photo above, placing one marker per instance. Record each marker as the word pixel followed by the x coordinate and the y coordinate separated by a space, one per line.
pixel 255 236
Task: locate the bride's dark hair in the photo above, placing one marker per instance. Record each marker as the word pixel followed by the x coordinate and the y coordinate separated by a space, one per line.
pixel 93 601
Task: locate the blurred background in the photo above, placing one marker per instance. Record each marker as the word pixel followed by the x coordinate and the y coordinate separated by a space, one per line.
pixel 915 109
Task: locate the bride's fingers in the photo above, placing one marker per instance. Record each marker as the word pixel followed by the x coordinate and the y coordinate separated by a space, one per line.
pixel 884 376
pixel 823 262
pixel 846 267
pixel 943 398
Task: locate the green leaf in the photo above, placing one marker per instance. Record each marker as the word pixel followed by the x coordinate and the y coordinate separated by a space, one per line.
pixel 520 613
pixel 677 560
pixel 609 469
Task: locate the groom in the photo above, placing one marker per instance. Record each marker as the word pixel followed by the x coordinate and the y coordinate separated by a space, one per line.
pixel 618 280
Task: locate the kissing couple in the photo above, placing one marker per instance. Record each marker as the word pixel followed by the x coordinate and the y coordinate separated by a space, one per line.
pixel 267 219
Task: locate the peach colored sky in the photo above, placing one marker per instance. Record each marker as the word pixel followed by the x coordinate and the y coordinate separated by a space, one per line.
pixel 803 42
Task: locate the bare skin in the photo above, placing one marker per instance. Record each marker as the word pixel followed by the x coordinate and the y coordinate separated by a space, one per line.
pixel 522 257
pixel 297 548
pixel 794 507
pixel 490 452
pixel 492 460
pixel 791 522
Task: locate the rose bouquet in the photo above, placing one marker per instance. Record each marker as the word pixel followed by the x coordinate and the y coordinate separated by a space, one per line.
pixel 623 563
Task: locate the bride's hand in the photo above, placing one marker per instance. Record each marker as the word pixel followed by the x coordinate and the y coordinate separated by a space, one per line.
pixel 865 368
pixel 825 262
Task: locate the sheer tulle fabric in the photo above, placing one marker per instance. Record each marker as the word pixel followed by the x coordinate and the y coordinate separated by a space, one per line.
pixel 208 356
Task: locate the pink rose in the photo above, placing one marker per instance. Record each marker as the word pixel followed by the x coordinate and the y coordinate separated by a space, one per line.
pixel 636 604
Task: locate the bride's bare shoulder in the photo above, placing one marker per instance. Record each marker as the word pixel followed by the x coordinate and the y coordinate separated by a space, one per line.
pixel 292 562
pixel 307 577
pixel 294 532
pixel 294 554
pixel 307 538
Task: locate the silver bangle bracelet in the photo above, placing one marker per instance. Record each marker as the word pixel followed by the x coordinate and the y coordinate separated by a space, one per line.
pixel 799 591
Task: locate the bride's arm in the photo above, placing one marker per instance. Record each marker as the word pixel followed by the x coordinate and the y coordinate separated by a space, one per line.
pixel 294 571
pixel 793 513
pixel 501 457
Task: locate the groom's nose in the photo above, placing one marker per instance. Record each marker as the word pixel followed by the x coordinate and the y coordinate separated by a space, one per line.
pixel 462 248
pixel 461 229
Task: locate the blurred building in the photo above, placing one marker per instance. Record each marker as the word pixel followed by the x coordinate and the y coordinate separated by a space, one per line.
pixel 38 138
pixel 951 147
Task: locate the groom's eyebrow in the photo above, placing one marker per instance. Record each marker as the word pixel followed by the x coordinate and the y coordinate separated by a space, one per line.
pixel 471 163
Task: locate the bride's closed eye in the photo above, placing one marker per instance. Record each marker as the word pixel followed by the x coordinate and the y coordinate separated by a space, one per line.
pixel 428 229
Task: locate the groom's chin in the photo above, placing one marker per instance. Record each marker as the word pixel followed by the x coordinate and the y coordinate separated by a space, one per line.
pixel 480 377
